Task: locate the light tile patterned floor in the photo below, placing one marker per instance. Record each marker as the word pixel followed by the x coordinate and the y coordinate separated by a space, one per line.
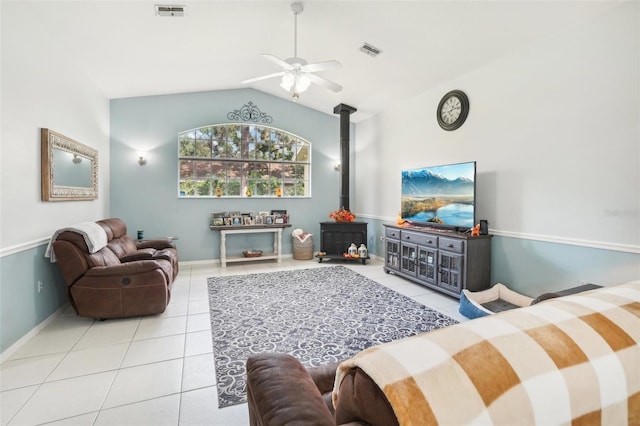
pixel 154 370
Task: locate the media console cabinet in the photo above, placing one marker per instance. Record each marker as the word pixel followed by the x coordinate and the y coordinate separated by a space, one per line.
pixel 446 261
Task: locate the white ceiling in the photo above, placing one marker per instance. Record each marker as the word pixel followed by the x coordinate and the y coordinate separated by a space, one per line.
pixel 128 51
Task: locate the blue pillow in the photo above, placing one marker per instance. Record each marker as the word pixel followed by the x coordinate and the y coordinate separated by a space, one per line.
pixel 469 309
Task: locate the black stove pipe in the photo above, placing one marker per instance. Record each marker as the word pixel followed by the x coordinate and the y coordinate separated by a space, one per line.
pixel 345 111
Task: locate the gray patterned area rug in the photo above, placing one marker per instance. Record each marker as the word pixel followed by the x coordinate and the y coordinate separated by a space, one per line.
pixel 319 315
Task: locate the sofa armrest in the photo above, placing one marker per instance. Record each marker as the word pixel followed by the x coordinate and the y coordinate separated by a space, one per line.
pixel 280 391
pixel 141 254
pixel 323 376
pixel 129 268
pixel 360 400
pixel 157 244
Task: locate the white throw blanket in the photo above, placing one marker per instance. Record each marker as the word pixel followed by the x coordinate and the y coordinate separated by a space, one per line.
pixel 94 236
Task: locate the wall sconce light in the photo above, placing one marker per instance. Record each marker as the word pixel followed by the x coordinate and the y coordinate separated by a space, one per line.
pixel 76 159
pixel 142 159
pixel 337 167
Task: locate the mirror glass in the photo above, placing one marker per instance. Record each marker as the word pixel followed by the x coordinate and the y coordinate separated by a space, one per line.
pixel 69 169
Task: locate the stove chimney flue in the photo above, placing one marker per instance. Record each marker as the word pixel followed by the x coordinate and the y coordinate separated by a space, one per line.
pixel 345 111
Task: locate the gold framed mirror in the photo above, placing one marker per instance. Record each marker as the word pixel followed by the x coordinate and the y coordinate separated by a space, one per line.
pixel 69 169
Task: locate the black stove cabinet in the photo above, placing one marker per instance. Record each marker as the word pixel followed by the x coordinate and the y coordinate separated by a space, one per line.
pixel 336 237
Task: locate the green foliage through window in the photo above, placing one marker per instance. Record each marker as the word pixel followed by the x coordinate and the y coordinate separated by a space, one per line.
pixel 243 160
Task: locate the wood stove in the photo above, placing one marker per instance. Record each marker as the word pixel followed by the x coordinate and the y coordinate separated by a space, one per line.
pixel 336 237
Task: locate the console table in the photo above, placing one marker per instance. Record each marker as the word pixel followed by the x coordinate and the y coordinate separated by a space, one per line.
pixel 250 229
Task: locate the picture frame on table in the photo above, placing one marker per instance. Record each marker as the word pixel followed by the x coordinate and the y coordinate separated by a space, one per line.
pixel 259 219
pixel 247 220
pixel 268 220
pixel 280 216
pixel 215 218
pixel 236 220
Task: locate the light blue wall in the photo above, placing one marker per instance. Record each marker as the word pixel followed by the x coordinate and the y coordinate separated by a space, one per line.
pixel 21 306
pixel 535 267
pixel 145 197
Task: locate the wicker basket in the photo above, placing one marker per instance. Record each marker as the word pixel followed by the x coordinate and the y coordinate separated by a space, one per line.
pixel 303 250
pixel 252 253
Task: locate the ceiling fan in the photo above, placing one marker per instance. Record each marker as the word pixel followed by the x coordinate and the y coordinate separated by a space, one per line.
pixel 297 74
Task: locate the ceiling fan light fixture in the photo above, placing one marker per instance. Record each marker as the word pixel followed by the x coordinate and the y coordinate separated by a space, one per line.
pixel 297 74
pixel 287 82
pixel 295 83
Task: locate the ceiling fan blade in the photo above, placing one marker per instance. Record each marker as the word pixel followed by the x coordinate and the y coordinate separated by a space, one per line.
pixel 284 64
pixel 264 77
pixel 327 84
pixel 321 66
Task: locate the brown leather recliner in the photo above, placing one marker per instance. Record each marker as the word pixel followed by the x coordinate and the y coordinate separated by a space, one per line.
pixel 124 279
pixel 281 391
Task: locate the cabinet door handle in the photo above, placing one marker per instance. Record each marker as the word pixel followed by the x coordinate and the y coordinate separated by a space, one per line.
pixel 450 245
pixel 429 242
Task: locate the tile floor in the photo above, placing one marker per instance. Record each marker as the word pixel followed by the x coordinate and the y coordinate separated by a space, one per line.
pixel 154 370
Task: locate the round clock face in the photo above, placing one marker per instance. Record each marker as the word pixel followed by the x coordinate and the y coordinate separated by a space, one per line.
pixel 452 110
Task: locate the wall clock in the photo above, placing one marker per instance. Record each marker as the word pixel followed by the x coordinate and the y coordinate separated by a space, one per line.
pixel 453 110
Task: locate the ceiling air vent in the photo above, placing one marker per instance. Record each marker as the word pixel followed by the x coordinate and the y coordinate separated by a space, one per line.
pixel 162 10
pixel 370 50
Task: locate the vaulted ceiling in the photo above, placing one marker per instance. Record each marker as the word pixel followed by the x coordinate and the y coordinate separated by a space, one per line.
pixel 129 51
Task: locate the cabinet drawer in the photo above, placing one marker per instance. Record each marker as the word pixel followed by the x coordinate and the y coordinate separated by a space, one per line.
pixel 392 233
pixel 420 239
pixel 450 244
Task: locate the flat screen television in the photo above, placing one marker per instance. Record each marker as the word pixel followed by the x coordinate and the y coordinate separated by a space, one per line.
pixel 440 196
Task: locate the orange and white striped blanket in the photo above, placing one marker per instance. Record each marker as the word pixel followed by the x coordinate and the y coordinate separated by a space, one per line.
pixel 571 360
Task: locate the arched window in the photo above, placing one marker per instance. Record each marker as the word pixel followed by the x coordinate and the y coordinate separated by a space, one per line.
pixel 243 160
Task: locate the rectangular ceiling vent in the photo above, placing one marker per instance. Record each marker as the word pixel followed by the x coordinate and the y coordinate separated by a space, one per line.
pixel 163 10
pixel 370 50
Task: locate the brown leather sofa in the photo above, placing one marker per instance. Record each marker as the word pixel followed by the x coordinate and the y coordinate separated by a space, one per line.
pixel 281 391
pixel 124 279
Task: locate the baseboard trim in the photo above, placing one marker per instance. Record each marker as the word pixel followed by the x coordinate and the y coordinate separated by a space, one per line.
pixel 6 354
